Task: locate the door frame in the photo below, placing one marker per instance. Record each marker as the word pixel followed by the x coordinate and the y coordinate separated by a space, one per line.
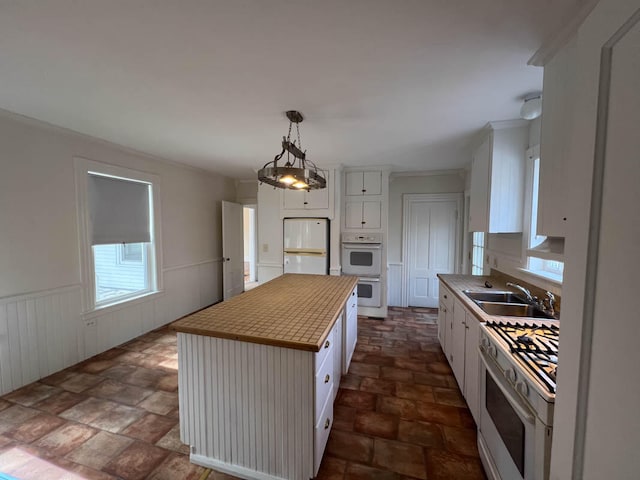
pixel 407 200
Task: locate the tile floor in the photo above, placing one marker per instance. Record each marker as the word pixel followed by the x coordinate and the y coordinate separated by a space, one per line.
pixel 398 415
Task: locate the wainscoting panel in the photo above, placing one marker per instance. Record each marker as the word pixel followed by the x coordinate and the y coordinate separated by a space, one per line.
pixel 268 271
pixel 394 285
pixel 38 335
pixel 45 332
pixel 247 408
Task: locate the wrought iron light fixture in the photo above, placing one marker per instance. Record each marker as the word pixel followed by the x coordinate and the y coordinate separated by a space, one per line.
pixel 297 173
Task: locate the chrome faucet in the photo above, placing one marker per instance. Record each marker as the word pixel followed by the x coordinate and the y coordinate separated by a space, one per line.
pixel 551 301
pixel 523 290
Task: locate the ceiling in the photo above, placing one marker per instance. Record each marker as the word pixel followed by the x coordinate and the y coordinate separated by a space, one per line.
pixel 405 83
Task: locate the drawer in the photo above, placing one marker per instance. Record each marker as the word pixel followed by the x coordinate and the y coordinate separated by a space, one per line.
pixel 446 297
pixel 324 384
pixel 323 427
pixel 325 349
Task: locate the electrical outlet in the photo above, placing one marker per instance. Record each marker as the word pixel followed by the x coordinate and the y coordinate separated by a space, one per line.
pixel 90 323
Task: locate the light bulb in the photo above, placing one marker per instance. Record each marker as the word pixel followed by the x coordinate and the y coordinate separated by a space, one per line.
pixel 300 184
pixel 287 179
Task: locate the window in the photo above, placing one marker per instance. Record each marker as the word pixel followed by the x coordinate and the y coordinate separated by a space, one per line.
pixel 120 247
pixel 477 253
pixel 551 269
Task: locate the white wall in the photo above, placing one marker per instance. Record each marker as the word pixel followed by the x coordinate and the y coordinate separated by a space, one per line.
pixel 269 234
pixel 247 192
pixel 40 253
pixel 398 186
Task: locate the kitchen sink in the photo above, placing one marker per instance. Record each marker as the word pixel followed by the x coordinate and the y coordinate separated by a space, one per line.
pixel 502 297
pixel 512 309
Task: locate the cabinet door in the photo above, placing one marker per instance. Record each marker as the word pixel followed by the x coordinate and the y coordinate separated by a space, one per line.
pixel 353 214
pixel 372 183
pixel 442 326
pixel 319 199
pixel 353 182
pixel 458 343
pixel 479 204
pixel 472 366
pixel 555 137
pixel 293 199
pixel 371 215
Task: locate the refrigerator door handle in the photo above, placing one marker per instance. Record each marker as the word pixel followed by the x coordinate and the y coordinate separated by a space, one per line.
pixel 307 254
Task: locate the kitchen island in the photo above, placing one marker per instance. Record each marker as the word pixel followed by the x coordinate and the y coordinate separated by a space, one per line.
pixel 258 375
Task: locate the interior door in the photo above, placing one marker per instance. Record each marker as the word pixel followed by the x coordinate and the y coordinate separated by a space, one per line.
pixel 232 250
pixel 431 246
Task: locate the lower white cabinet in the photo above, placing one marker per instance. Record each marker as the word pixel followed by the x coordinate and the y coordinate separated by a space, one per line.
pixel 445 313
pixel 237 397
pixel 466 360
pixel 350 329
pixel 460 339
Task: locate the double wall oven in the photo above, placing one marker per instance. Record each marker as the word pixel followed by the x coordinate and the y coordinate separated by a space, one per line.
pixel 362 257
pixel 517 397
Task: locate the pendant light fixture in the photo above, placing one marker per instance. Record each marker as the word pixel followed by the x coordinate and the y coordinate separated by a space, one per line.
pixel 296 173
pixel 532 106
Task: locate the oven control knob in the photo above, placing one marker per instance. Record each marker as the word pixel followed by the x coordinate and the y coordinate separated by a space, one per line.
pixel 522 388
pixel 511 375
pixel 485 342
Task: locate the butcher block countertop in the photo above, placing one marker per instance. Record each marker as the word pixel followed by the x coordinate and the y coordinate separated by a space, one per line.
pixel 292 311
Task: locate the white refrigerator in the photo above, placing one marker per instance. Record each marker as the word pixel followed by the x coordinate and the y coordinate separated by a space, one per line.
pixel 306 243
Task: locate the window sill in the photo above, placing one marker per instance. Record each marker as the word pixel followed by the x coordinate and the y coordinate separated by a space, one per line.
pixel 118 305
pixel 548 277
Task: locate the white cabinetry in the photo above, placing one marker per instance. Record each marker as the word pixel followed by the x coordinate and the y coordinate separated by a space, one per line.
pixel 555 138
pixel 350 329
pixel 362 214
pixel 445 310
pixel 363 183
pixel 460 338
pixel 497 179
pixel 300 203
pixel 466 362
pixel 365 197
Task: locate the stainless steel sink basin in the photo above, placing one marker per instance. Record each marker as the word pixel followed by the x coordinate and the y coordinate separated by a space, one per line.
pixel 512 309
pixel 502 297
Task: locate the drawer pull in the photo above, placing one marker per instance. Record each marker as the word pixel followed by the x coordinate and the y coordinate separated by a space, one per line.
pixel 327 422
pixel 327 378
pixel 327 343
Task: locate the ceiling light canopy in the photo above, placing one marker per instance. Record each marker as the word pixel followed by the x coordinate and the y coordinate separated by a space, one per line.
pixel 297 173
pixel 532 106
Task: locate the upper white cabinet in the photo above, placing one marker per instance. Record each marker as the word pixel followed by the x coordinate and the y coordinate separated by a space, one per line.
pixel 497 178
pixel 363 183
pixel 555 138
pixel 311 200
pixel 316 203
pixel 365 199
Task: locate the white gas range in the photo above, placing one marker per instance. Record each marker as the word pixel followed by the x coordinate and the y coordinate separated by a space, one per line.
pixel 517 395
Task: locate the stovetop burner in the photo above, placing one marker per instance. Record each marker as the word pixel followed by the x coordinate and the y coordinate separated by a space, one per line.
pixel 535 345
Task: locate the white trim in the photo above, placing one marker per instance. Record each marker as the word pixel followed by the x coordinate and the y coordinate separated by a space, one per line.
pixel 409 198
pixel 426 173
pixel 559 39
pixel 120 304
pixel 81 168
pixel 40 293
pixel 236 470
pixel 189 265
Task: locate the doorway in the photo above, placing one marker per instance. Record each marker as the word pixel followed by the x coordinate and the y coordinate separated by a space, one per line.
pixel 249 233
pixel 431 233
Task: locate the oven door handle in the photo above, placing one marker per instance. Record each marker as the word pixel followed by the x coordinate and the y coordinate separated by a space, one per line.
pixel 518 404
pixel 361 246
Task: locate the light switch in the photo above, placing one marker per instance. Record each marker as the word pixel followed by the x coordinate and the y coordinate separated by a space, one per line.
pixel 265 247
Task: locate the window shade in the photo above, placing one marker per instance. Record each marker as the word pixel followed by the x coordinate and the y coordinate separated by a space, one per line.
pixel 119 210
